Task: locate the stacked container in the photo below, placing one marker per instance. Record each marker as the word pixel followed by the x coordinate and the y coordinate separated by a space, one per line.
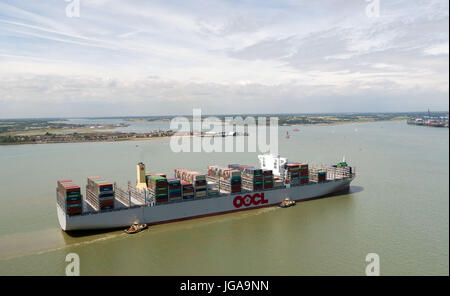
pixel 229 179
pixel 247 175
pixel 322 176
pixel 69 197
pixel 213 188
pixel 216 172
pixel 240 167
pixel 341 164
pixel 318 175
pixel 304 173
pixel 174 186
pixel 200 187
pixel 234 166
pixel 100 194
pixel 293 173
pixel 278 182
pixel 198 181
pixel 343 169
pixel 158 188
pixel 252 179
pixel 187 190
pixel 268 179
pixel 339 172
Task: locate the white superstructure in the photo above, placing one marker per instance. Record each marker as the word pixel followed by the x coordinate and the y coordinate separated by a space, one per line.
pixel 273 162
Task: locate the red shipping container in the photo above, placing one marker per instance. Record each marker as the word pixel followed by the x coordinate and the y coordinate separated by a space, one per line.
pixel 74 211
pixel 63 181
pixel 160 185
pixel 107 203
pixel 73 202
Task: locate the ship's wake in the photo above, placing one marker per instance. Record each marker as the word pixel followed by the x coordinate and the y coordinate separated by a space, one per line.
pixel 42 242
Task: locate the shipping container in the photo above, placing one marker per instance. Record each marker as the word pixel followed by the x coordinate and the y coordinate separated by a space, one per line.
pixel 69 195
pixel 100 194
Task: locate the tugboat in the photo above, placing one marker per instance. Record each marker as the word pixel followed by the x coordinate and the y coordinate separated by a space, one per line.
pixel 286 203
pixel 135 228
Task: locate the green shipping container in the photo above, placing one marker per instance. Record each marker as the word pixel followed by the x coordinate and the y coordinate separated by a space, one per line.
pixel 75 194
pixel 73 198
pixel 156 179
pixel 162 195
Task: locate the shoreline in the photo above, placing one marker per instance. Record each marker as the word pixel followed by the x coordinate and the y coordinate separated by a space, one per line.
pixel 93 141
pixel 166 137
pixel 342 122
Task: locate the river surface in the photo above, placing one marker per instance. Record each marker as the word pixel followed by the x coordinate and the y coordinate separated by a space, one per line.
pixel 398 207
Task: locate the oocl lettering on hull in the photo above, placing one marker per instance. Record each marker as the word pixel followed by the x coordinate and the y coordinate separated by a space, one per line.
pixel 249 200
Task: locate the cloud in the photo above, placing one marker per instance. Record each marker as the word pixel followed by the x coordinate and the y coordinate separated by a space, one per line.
pixel 439 49
pixel 91 96
pixel 223 55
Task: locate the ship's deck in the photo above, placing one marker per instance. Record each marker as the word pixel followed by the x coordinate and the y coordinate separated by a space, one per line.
pixel 132 198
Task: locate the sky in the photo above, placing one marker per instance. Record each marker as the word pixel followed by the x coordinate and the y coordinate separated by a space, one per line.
pixel 141 57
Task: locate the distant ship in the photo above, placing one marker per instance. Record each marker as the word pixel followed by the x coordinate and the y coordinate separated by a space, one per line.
pixel 429 120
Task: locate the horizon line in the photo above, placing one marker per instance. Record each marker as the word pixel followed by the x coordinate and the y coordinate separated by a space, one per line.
pixel 218 114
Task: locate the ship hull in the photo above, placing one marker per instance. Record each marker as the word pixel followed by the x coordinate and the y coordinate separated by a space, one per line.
pixel 182 210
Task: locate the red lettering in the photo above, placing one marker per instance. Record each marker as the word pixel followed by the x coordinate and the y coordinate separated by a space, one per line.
pixel 263 201
pixel 237 202
pixel 256 199
pixel 248 200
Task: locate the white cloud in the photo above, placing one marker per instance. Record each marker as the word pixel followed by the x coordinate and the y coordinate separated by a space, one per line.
pixel 440 49
pixel 212 52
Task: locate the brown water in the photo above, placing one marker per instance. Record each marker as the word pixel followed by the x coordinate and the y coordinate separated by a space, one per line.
pixel 398 207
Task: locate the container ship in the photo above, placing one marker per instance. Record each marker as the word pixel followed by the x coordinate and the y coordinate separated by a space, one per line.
pixel 157 198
